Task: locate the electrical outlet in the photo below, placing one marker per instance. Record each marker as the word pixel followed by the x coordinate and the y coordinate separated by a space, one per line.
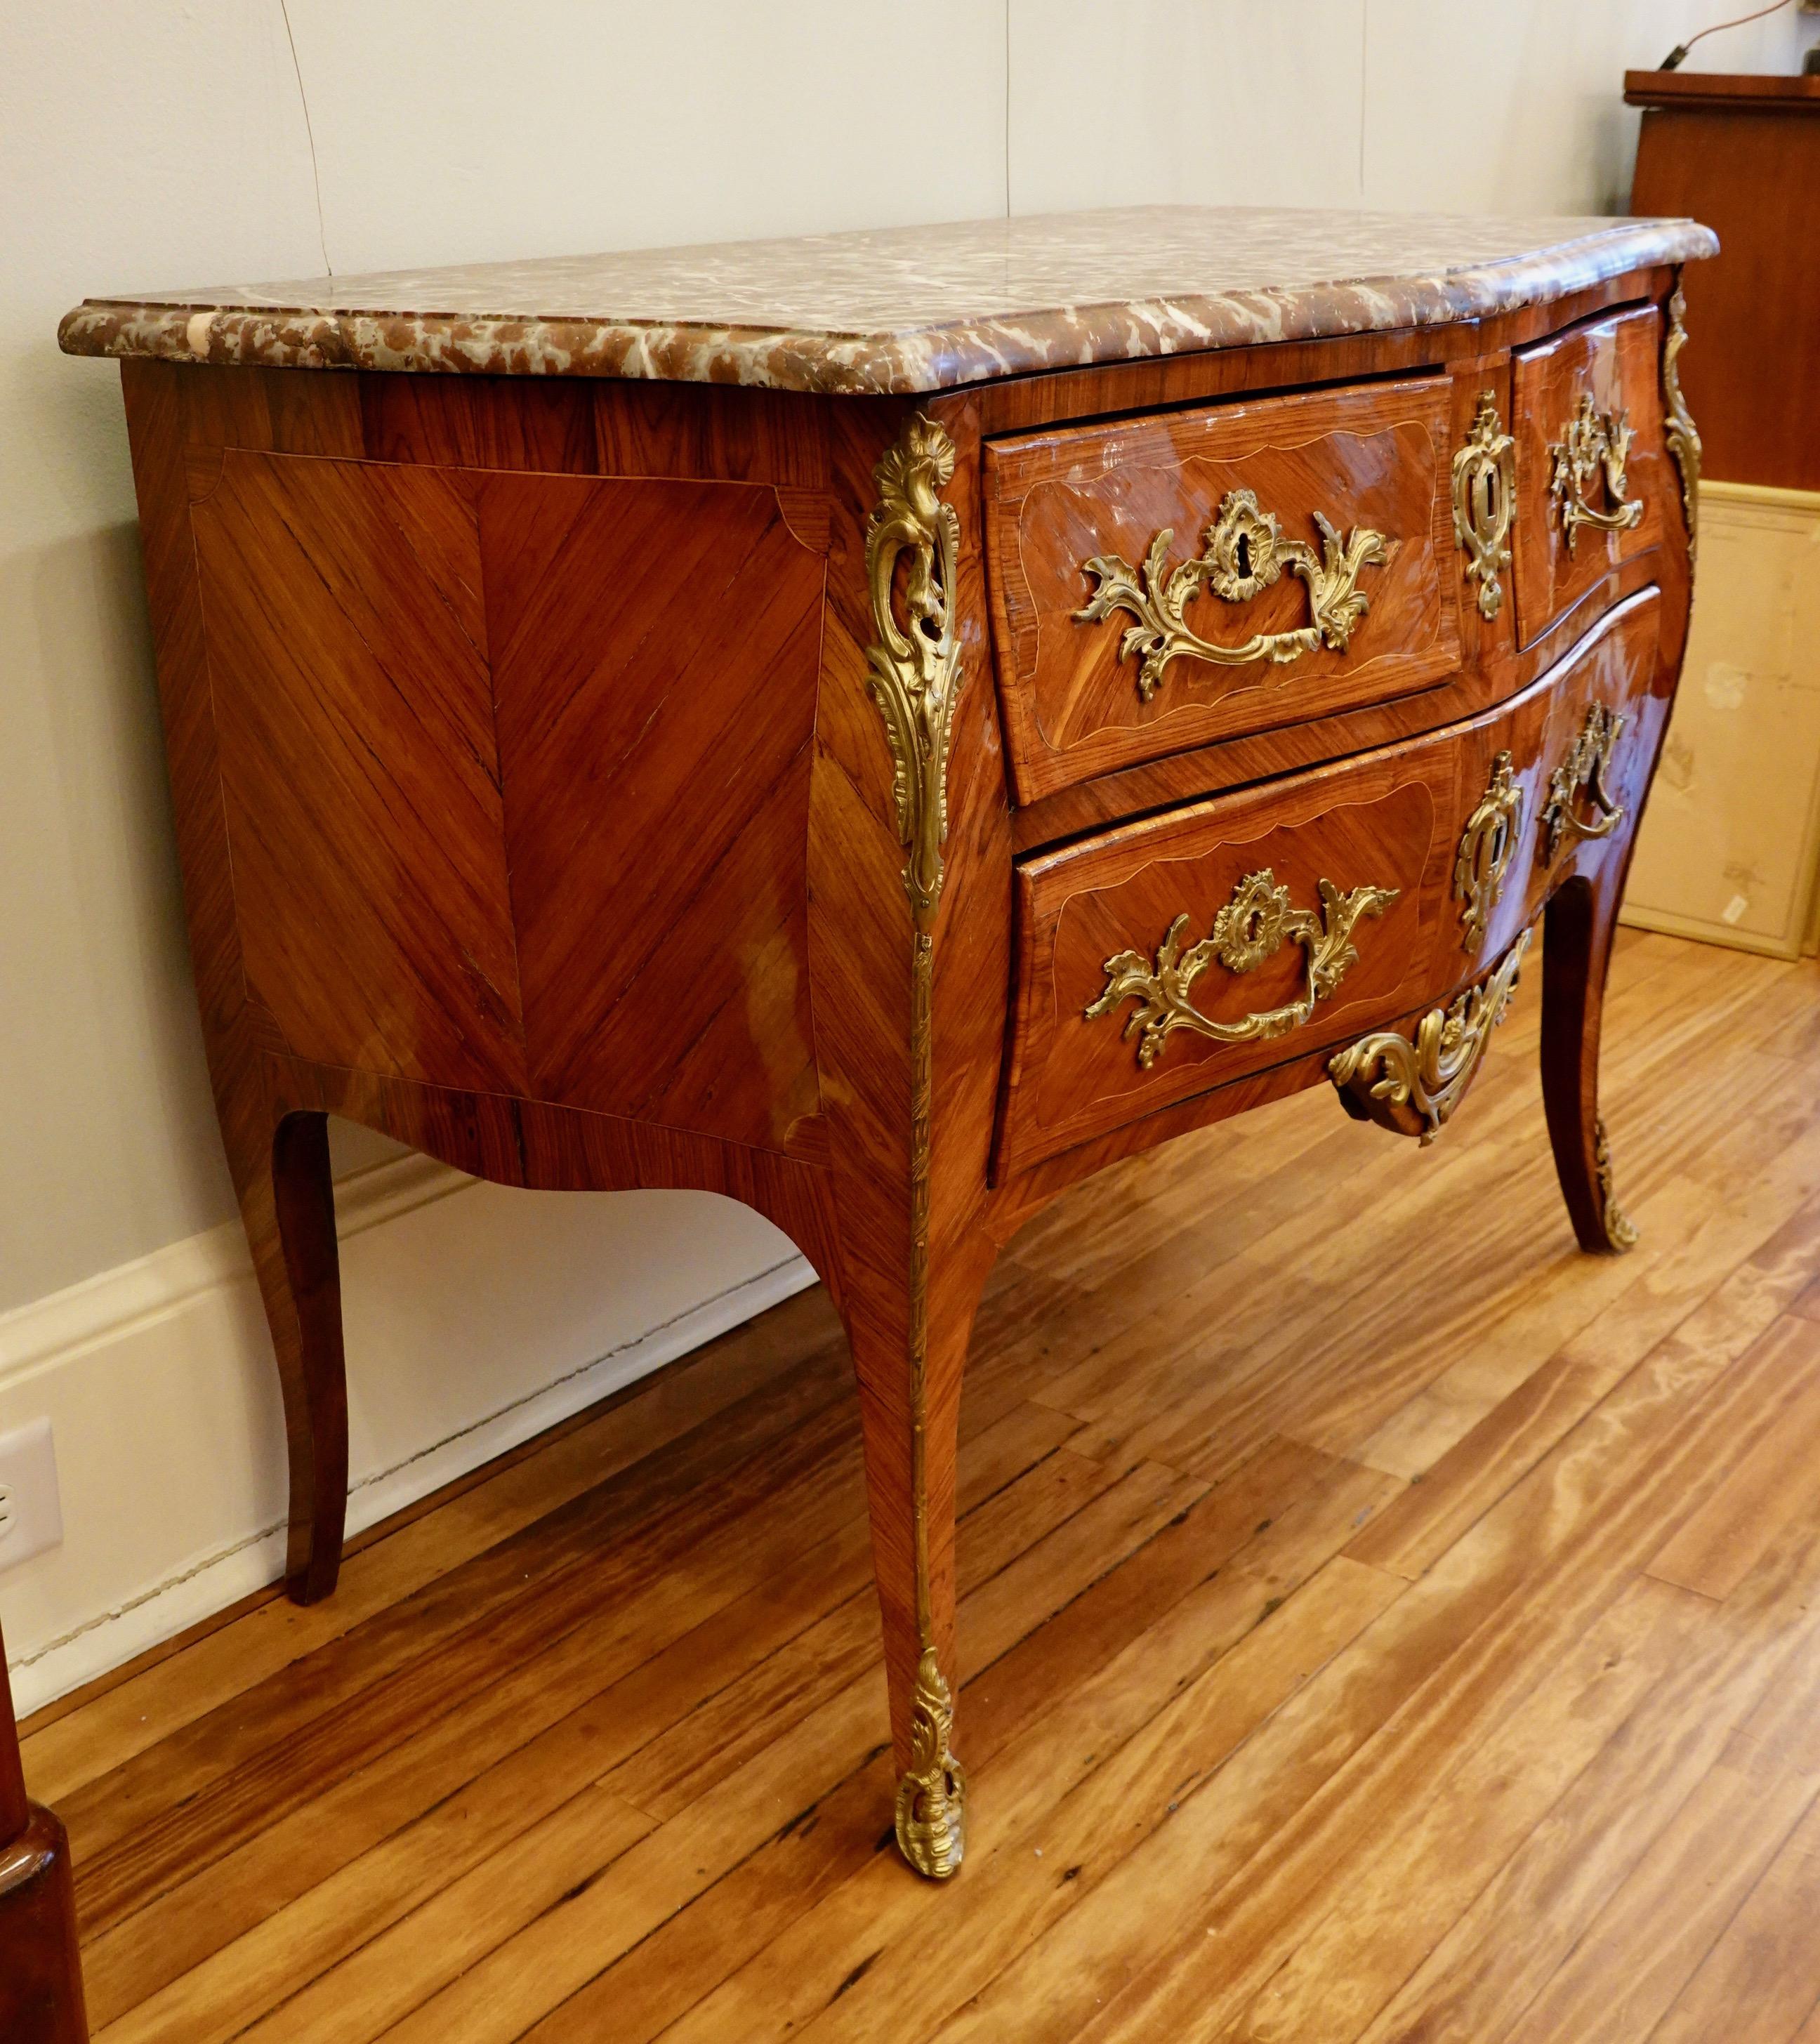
pixel 31 1513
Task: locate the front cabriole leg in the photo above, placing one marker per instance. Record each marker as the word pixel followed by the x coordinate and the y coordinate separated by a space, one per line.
pixel 910 1379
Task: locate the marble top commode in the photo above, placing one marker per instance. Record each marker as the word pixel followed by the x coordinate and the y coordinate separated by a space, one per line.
pixel 905 309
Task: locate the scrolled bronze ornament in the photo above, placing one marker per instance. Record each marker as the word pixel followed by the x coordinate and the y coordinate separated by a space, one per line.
pixel 1593 445
pixel 1678 428
pixel 932 1796
pixel 914 671
pixel 1485 499
pixel 1620 1230
pixel 1244 552
pixel 1411 1086
pixel 915 676
pixel 1487 846
pixel 1583 770
pixel 1252 927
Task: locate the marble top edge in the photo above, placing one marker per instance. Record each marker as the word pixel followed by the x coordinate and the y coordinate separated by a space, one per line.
pixel 902 310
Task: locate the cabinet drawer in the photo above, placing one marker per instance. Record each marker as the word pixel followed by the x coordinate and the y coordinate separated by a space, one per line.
pixel 1589 450
pixel 1161 582
pixel 1172 956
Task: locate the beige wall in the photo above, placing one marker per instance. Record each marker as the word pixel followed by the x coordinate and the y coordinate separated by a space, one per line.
pixel 163 143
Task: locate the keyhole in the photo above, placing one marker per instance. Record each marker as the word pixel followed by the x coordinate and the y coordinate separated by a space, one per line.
pixel 1243 555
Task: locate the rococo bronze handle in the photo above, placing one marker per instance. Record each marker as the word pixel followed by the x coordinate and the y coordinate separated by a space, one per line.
pixel 1584 768
pixel 1245 552
pixel 1593 443
pixel 1250 928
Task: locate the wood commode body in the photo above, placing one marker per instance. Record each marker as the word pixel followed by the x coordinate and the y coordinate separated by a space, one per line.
pixel 881 756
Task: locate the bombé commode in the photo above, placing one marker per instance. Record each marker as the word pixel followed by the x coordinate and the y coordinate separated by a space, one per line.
pixel 879 726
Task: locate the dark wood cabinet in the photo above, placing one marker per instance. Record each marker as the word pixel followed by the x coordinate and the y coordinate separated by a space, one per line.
pixel 1742 153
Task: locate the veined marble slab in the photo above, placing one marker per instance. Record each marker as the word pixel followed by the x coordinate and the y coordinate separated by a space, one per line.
pixel 905 309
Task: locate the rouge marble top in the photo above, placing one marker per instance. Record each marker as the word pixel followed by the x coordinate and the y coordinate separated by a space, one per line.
pixel 903 310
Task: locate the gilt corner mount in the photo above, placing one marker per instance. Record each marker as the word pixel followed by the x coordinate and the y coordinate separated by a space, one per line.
pixel 915 676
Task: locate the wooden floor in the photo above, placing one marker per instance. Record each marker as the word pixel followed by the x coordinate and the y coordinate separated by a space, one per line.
pixel 1380 1623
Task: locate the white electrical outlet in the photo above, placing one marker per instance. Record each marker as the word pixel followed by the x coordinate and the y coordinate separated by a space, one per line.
pixel 31 1513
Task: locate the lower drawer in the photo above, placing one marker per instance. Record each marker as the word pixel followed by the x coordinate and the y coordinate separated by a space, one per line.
pixel 1170 956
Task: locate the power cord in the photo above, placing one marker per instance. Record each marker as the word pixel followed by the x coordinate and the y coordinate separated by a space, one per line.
pixel 1677 55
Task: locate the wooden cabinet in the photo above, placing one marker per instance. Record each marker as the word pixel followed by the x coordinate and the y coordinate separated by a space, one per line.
pixel 876 727
pixel 1743 152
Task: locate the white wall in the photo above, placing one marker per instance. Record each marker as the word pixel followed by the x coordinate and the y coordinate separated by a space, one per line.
pixel 164 144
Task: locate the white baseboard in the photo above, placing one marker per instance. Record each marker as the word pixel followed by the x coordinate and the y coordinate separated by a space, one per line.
pixel 159 1381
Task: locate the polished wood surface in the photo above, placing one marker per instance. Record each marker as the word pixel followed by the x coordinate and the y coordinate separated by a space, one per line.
pixel 40 1966
pixel 1616 361
pixel 1349 1570
pixel 1744 153
pixel 536 807
pixel 1375 457
pixel 1392 820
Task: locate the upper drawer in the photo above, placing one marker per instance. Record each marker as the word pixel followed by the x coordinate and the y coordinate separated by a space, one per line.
pixel 1161 582
pixel 1588 432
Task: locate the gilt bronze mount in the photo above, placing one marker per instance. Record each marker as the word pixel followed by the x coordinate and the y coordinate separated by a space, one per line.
pixel 1245 552
pixel 1585 768
pixel 1485 499
pixel 1594 445
pixel 1249 929
pixel 1411 1085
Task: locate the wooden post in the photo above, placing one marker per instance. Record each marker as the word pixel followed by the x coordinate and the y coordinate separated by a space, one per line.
pixel 40 1973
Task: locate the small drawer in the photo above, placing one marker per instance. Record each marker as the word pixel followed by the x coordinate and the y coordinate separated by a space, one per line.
pixel 1158 583
pixel 1177 954
pixel 1589 450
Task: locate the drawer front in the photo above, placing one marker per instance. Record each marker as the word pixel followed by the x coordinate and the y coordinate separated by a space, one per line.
pixel 1176 955
pixel 1158 583
pixel 1588 433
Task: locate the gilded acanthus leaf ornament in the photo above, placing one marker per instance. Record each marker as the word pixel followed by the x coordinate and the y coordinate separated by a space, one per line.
pixel 1583 770
pixel 932 1796
pixel 1244 552
pixel 1252 927
pixel 914 671
pixel 1594 446
pixel 1485 498
pixel 1486 847
pixel 914 675
pixel 1412 1085
pixel 1678 428
pixel 1620 1230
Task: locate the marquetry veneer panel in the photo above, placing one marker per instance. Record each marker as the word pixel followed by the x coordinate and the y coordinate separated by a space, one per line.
pixel 470 722
pixel 1372 459
pixel 1615 362
pixel 1392 819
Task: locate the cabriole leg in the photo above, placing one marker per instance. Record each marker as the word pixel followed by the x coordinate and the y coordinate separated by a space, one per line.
pixel 289 1209
pixel 1576 950
pixel 911 1447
